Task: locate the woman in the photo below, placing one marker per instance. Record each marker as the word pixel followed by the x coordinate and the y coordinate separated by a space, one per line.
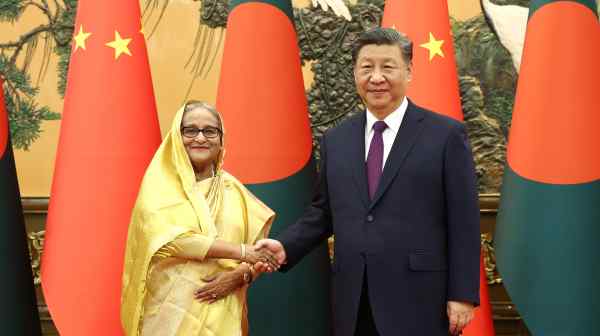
pixel 190 248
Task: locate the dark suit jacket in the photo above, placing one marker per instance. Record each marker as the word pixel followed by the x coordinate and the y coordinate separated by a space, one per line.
pixel 417 240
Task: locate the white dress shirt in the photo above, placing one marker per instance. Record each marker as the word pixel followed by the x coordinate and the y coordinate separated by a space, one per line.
pixel 393 121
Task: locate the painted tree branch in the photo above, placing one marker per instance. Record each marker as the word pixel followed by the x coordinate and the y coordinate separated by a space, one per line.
pixel 25 38
pixel 26 115
pixel 42 8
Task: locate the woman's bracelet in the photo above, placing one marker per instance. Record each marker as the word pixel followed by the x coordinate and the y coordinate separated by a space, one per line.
pixel 243 252
pixel 248 277
pixel 252 272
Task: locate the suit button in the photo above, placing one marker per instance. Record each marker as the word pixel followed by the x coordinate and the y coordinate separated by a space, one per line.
pixel 370 218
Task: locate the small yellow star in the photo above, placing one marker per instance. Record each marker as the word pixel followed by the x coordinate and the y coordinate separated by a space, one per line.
pixel 434 46
pixel 80 38
pixel 120 45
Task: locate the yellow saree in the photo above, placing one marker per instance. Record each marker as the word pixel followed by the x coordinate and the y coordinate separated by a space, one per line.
pixel 171 220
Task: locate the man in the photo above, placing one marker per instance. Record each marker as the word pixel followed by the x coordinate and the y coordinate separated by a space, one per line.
pixel 397 187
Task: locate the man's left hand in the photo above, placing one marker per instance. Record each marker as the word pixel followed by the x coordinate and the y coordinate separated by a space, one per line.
pixel 459 315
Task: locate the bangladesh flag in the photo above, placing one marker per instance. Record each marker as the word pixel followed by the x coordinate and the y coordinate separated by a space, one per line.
pixel 18 308
pixel 261 96
pixel 549 221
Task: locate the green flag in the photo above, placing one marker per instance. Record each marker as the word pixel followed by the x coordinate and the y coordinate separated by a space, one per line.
pixel 549 221
pixel 18 312
pixel 261 96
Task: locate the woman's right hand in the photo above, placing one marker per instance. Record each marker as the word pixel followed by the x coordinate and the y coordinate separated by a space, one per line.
pixel 262 255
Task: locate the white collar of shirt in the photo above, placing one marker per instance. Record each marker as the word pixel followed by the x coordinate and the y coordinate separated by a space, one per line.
pixel 393 121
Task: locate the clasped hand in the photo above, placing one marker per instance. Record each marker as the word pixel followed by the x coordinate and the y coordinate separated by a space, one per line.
pixel 262 256
pixel 276 249
pixel 223 284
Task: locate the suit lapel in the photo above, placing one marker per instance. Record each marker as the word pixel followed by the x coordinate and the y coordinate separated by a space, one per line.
pixel 357 152
pixel 405 139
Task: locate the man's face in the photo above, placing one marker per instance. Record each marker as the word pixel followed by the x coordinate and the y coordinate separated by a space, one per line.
pixel 381 77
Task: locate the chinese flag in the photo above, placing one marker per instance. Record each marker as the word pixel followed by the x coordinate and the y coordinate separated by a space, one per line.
pixel 108 135
pixel 434 85
pixel 482 324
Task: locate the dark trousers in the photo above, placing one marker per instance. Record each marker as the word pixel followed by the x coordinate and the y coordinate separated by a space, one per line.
pixel 365 325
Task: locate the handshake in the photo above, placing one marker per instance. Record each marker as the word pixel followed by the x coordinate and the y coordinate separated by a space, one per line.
pixel 267 255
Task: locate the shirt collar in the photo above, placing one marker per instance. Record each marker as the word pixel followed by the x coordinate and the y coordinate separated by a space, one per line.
pixel 393 120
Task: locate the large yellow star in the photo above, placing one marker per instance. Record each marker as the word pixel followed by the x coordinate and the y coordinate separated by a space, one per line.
pixel 120 45
pixel 80 38
pixel 434 46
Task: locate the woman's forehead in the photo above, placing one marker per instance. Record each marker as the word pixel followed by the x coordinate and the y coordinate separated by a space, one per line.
pixel 200 116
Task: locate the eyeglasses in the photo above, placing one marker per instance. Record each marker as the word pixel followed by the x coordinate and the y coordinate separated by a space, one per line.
pixel 208 132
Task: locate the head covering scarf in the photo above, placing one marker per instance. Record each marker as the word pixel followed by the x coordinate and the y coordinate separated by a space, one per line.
pixel 168 205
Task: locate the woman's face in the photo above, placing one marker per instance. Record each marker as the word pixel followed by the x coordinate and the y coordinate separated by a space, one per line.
pixel 203 151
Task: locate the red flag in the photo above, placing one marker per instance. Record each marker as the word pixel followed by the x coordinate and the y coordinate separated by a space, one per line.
pixel 434 85
pixel 108 135
pixel 482 324
pixel 434 82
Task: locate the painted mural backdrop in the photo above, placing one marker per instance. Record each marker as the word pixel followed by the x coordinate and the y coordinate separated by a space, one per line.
pixel 487 52
pixel 52 38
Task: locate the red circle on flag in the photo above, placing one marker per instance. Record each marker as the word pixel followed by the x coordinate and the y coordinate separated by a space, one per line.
pixel 261 95
pixel 554 135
